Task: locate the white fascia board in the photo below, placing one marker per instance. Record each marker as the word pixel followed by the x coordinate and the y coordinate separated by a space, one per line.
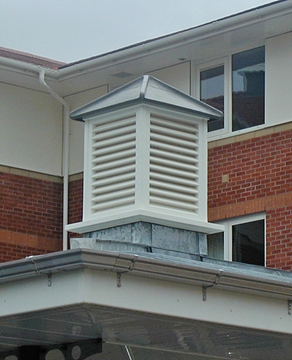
pixel 149 286
pixel 27 75
pixel 184 301
pixel 40 293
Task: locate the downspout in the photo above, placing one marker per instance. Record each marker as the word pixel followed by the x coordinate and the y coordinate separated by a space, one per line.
pixel 65 165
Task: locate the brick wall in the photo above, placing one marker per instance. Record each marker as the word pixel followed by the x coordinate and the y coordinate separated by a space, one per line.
pixel 245 177
pixel 252 176
pixel 9 252
pixel 30 216
pixel 75 201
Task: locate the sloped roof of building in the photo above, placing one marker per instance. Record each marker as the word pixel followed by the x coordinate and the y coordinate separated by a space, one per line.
pixel 198 44
pixel 182 34
pixel 30 58
pixel 169 36
pixel 150 90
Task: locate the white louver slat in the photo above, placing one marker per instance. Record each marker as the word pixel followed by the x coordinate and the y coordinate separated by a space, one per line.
pixel 113 164
pixel 174 160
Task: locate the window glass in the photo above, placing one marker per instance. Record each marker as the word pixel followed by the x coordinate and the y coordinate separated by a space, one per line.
pixel 248 242
pixel 248 88
pixel 212 93
pixel 243 240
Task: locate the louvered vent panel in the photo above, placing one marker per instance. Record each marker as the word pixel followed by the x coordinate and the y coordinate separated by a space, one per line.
pixel 174 164
pixel 113 164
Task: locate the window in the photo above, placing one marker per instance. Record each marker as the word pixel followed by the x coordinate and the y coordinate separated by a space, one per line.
pixel 212 93
pixel 243 240
pixel 235 86
pixel 248 88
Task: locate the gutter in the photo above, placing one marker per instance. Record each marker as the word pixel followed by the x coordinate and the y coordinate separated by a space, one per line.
pixel 65 163
pixel 224 276
pixel 180 38
pixel 158 44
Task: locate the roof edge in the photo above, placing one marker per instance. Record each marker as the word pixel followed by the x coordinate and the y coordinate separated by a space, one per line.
pixel 259 12
pixel 230 276
pixel 30 58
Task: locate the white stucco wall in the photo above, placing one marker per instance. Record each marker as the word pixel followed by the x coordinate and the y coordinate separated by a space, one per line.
pixel 178 76
pixel 30 130
pixel 77 128
pixel 278 79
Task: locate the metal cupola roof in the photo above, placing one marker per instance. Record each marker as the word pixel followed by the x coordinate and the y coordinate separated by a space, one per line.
pixel 146 89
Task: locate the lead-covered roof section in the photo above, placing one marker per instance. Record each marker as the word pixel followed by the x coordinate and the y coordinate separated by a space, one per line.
pixel 146 89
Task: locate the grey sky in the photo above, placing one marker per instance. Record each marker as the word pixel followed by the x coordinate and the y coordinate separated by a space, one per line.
pixel 71 30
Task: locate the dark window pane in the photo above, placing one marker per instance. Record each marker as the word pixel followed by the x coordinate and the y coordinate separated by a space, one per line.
pixel 248 242
pixel 212 93
pixel 216 246
pixel 248 88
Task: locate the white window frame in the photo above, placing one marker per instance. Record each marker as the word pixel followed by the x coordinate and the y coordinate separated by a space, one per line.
pixel 226 63
pixel 195 91
pixel 228 223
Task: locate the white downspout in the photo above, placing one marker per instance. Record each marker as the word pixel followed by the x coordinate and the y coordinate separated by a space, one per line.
pixel 65 165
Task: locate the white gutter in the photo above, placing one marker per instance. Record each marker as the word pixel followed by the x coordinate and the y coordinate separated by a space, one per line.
pixel 157 45
pixel 65 165
pixel 238 277
pixel 180 38
pixel 27 69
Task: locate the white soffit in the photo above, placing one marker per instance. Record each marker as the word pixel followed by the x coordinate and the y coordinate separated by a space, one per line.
pixel 150 304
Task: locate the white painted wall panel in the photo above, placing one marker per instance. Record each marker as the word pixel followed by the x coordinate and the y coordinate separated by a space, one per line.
pixel 77 128
pixel 278 79
pixel 30 130
pixel 178 76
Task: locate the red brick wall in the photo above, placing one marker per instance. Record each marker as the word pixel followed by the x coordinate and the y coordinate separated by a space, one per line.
pixel 279 237
pixel 9 252
pixel 30 216
pixel 75 200
pixel 75 203
pixel 260 179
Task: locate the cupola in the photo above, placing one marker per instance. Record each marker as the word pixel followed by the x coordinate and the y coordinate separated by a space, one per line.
pixel 145 160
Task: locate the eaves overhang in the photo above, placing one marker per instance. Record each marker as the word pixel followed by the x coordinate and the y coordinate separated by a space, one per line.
pixel 160 44
pixel 241 277
pixel 147 302
pixel 26 75
pixel 259 14
pixel 194 44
